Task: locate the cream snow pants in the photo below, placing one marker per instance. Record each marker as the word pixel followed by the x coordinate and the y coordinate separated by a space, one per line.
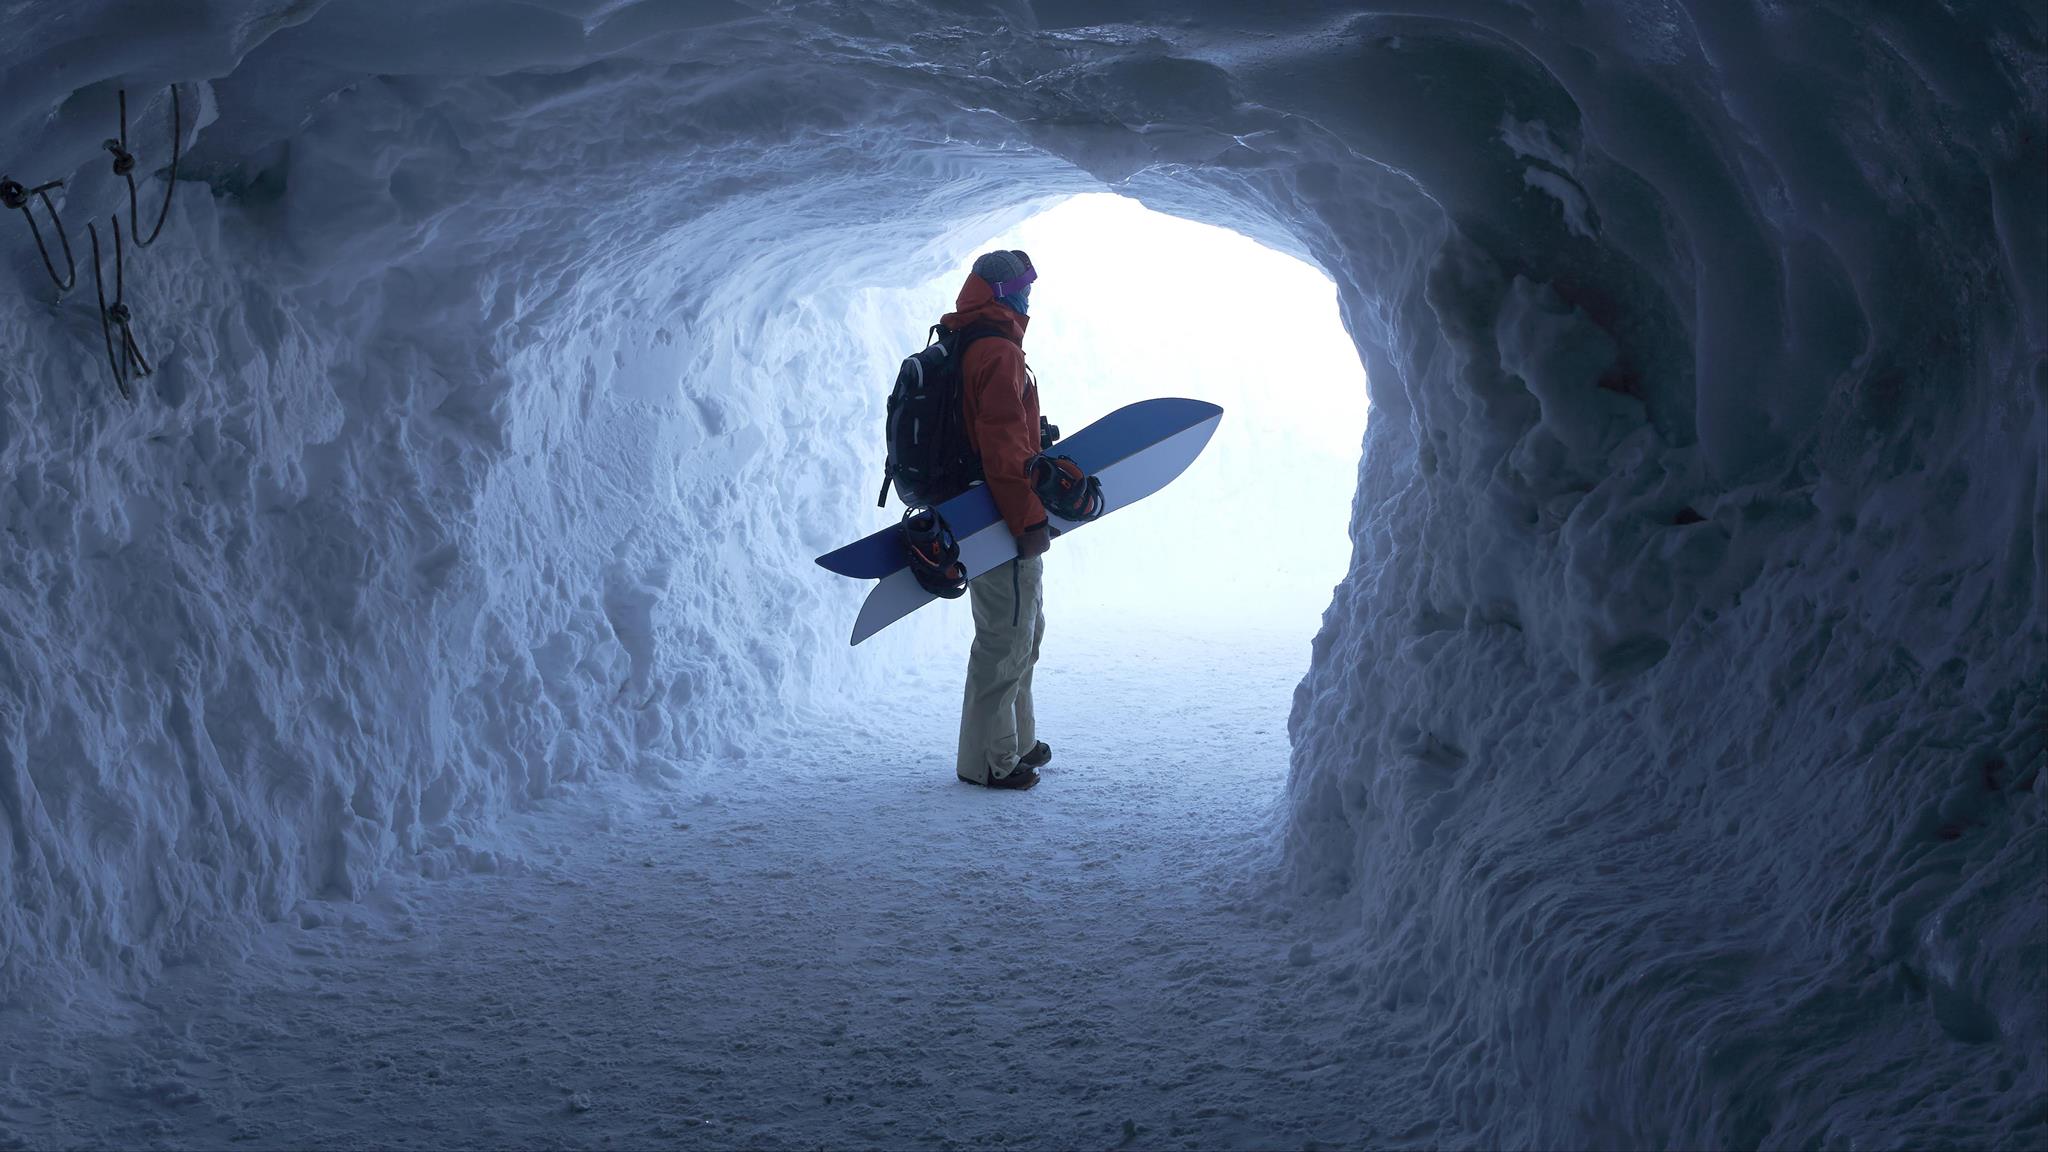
pixel 996 721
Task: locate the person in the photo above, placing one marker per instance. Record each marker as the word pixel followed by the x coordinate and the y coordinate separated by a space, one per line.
pixel 999 747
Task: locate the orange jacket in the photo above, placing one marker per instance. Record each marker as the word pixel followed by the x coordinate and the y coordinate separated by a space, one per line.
pixel 1002 403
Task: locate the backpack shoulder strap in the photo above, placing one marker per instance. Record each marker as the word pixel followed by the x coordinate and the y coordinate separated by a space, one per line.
pixel 965 336
pixel 959 342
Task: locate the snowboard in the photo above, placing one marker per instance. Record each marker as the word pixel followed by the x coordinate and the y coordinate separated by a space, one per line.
pixel 1135 451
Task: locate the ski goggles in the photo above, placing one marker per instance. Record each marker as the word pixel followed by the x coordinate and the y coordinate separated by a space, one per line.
pixel 1018 282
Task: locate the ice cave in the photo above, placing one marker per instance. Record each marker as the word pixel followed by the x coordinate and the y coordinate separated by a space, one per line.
pixel 1592 691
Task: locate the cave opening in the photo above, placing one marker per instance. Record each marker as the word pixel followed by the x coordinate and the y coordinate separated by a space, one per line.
pixel 1135 303
pixel 1232 565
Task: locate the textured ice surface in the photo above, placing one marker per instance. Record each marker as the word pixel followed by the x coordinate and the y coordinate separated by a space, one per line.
pixel 1675 738
pixel 892 960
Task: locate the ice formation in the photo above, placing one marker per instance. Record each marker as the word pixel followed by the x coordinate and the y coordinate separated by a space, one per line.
pixel 1675 738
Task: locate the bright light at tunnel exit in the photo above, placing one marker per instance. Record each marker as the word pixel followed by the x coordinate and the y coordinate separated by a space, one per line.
pixel 1132 304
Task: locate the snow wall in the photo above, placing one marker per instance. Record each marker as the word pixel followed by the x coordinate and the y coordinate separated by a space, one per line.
pixel 1674 743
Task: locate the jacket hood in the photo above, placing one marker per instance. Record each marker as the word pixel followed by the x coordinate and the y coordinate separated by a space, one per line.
pixel 977 304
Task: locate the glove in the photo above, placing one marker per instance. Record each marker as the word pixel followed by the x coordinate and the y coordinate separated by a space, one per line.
pixel 1035 541
pixel 1048 433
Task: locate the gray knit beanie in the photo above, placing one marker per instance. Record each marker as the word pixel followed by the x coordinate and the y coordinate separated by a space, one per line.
pixel 1006 266
pixel 998 266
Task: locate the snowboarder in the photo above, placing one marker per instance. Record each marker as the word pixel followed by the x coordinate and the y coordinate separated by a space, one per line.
pixel 999 747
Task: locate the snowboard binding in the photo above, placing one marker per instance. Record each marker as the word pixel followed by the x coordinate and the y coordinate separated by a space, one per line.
pixel 1066 491
pixel 934 553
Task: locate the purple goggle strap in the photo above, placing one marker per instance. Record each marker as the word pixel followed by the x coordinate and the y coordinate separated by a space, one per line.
pixel 1007 287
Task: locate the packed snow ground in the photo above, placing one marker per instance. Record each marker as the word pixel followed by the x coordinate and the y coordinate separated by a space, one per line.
pixel 832 943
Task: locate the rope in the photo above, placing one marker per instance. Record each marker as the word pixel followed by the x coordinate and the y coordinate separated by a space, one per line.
pixel 130 364
pixel 14 196
pixel 124 167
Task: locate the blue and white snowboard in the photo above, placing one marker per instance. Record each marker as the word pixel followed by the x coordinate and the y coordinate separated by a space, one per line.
pixel 1135 451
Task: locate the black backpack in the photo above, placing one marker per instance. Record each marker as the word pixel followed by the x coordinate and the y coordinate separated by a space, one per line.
pixel 931 456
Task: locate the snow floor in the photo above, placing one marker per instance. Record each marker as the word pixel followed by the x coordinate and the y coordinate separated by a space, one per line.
pixel 858 950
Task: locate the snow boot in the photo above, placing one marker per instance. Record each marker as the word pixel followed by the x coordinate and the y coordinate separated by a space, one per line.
pixel 1020 778
pixel 1039 756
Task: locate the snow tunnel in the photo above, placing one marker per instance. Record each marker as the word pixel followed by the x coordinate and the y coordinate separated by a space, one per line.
pixel 421 719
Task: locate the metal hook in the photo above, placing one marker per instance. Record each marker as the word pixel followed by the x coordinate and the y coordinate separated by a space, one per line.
pixel 124 167
pixel 14 196
pixel 130 364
